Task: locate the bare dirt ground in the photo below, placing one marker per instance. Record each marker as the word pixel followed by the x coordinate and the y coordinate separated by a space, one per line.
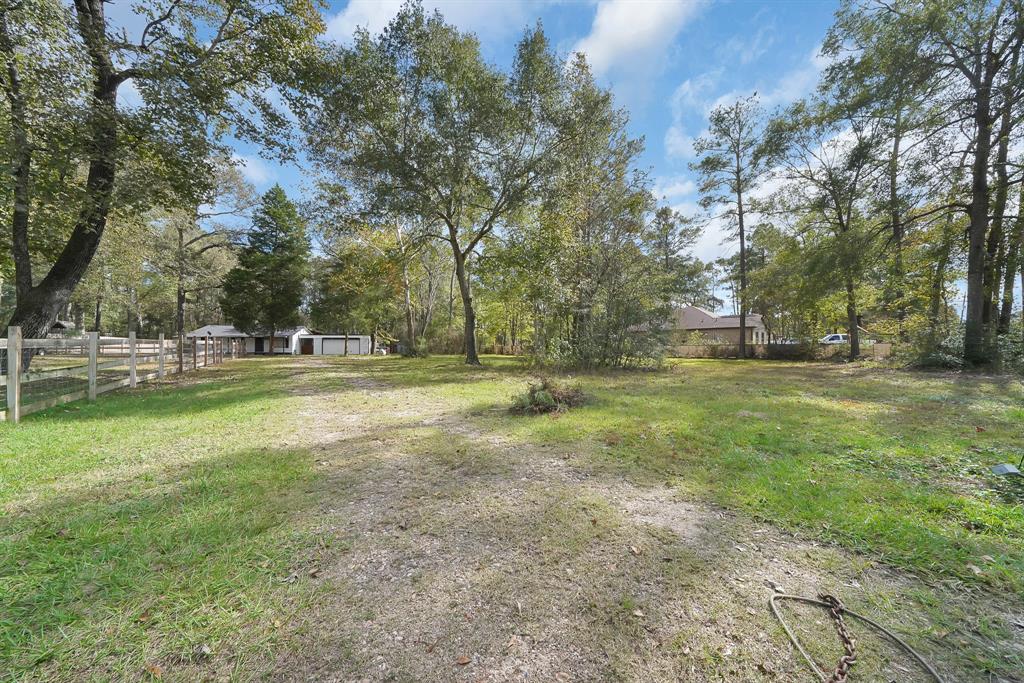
pixel 454 554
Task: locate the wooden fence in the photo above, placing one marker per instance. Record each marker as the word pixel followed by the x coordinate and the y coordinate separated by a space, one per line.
pixel 42 373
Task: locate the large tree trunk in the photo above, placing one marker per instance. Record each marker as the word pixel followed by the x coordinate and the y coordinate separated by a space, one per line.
pixel 410 328
pixel 896 224
pixel 21 165
pixel 1014 247
pixel 38 305
pixel 976 351
pixel 468 312
pixel 743 262
pixel 995 246
pixel 936 290
pixel 851 319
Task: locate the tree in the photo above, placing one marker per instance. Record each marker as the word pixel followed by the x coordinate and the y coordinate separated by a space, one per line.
pixel 830 161
pixel 970 50
pixel 732 166
pixel 419 124
pixel 204 68
pixel 197 229
pixel 598 251
pixel 671 237
pixel 264 292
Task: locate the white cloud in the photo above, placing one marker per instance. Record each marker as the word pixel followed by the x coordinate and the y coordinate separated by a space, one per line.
pixel 627 34
pixel 796 83
pixel 486 18
pixel 678 144
pixel 694 97
pixel 671 188
pixel 372 15
pixel 746 49
pixel 254 169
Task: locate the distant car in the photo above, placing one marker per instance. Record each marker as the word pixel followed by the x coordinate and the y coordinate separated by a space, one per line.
pixel 381 351
pixel 835 339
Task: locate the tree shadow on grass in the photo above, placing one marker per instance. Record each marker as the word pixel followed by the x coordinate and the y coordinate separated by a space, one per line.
pixel 94 581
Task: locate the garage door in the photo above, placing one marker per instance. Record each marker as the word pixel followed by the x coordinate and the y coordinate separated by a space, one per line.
pixel 336 346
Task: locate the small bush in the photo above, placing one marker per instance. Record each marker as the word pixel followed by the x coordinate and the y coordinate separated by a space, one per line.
pixel 547 395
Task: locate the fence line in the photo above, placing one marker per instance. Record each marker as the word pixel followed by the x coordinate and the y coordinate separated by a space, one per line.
pixel 43 373
pixel 813 351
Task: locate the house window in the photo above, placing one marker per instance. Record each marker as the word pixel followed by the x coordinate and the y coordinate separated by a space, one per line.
pixel 280 342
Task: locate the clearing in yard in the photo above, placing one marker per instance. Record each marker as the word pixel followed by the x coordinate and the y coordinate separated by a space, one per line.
pixel 337 519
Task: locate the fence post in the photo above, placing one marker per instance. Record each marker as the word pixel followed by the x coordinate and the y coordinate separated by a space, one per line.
pixel 181 353
pixel 195 351
pixel 132 376
pixel 13 373
pixel 94 359
pixel 160 353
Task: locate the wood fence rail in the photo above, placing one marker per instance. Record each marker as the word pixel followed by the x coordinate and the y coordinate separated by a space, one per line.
pixel 43 373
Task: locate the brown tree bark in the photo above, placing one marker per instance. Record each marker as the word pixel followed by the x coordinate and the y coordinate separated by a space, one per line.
pixel 1014 246
pixel 39 304
pixel 852 319
pixel 743 258
pixel 975 348
pixel 469 312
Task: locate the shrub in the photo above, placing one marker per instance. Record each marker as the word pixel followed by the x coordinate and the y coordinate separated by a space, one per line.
pixel 801 351
pixel 548 395
pixel 926 352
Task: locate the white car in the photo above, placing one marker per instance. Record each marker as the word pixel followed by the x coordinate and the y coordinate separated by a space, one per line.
pixel 835 339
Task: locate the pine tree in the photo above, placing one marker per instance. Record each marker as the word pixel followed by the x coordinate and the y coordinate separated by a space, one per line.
pixel 264 291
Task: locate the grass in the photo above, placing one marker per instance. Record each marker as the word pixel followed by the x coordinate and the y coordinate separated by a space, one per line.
pixel 172 523
pixel 892 464
pixel 148 522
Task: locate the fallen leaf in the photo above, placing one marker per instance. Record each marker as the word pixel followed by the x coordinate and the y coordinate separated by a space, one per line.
pixel 976 569
pixel 638 613
pixel 463 660
pixel 203 651
pixel 144 617
pixel 154 670
pixel 633 549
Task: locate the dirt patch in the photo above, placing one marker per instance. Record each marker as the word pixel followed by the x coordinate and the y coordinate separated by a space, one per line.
pixel 459 554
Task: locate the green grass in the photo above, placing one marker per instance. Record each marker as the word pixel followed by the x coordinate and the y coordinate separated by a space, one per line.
pixel 892 464
pixel 149 524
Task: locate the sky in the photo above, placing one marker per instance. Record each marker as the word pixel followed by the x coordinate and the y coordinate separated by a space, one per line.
pixel 668 62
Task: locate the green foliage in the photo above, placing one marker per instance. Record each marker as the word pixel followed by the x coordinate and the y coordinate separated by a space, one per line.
pixel 415 123
pixel 99 119
pixel 264 291
pixel 605 279
pixel 548 395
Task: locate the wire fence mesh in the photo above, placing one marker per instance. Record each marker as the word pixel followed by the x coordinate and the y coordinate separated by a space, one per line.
pixel 58 370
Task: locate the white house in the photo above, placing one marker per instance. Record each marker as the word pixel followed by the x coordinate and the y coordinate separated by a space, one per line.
pixel 295 341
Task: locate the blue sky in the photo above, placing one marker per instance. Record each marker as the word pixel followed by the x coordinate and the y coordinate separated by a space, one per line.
pixel 667 61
